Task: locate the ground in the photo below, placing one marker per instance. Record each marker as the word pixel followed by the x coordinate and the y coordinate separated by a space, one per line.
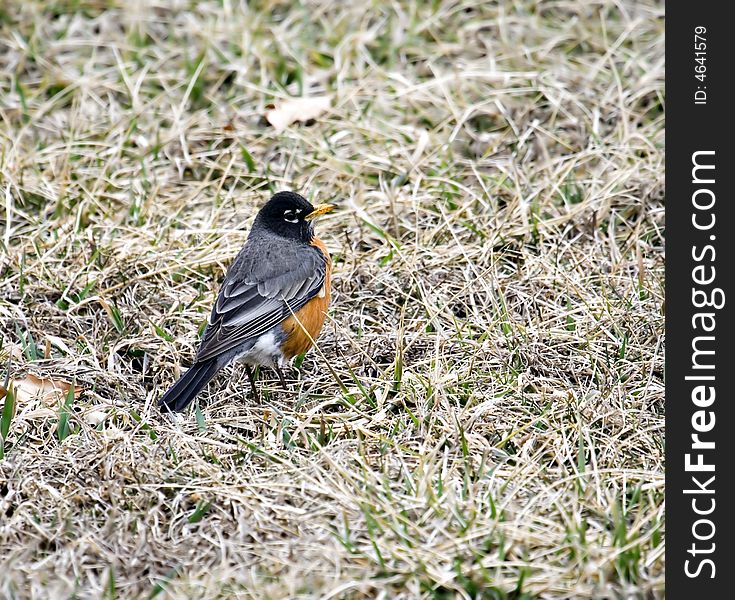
pixel 483 416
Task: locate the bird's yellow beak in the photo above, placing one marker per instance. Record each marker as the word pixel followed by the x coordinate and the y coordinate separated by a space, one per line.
pixel 319 210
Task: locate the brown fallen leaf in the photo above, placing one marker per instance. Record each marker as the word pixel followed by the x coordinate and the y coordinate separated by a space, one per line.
pixel 297 109
pixel 50 391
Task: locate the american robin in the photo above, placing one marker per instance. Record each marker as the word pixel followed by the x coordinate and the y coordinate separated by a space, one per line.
pixel 272 303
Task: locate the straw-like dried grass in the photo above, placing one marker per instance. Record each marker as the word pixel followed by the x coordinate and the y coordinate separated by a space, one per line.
pixel 484 414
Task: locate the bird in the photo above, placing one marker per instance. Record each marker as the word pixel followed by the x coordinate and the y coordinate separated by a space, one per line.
pixel 272 303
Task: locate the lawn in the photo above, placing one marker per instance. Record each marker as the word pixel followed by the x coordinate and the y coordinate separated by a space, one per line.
pixel 483 416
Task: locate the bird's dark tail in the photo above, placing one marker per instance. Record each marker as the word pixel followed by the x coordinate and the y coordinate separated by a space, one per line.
pixel 188 386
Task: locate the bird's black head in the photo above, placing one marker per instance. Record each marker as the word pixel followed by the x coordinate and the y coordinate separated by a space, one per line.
pixel 289 215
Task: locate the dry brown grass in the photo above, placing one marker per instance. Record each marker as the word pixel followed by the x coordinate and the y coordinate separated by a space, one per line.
pixel 492 426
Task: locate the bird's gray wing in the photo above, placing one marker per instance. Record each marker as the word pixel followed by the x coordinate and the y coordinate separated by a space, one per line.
pixel 261 289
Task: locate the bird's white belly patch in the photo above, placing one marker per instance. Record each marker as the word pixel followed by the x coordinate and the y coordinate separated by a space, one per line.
pixel 265 351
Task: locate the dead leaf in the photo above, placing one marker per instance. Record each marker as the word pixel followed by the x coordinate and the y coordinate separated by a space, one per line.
pixel 50 391
pixel 297 109
pixel 95 416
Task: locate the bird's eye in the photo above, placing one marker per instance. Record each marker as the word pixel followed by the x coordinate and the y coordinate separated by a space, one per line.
pixel 288 216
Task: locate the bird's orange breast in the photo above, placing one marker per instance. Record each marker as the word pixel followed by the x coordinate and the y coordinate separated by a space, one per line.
pixel 310 318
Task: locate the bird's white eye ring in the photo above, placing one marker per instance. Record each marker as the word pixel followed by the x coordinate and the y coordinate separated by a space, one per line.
pixel 289 213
